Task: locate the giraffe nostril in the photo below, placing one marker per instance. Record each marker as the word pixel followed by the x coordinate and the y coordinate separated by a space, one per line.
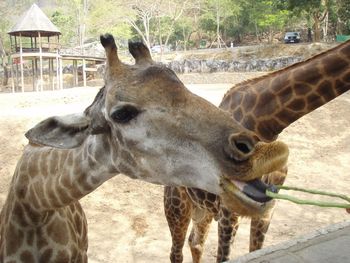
pixel 244 147
pixel 241 146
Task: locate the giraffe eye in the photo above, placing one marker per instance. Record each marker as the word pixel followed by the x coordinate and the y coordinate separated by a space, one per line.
pixel 124 114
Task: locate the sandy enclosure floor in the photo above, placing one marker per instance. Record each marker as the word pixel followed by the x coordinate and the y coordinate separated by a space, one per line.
pixel 125 217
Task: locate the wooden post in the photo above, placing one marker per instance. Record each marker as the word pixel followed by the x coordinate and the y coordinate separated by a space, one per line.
pixel 61 73
pixel 21 61
pixel 53 76
pixel 12 80
pixel 41 62
pixel 33 71
pixel 57 71
pixel 50 73
pixel 11 45
pixel 15 45
pixel 16 86
pixel 36 74
pixel 84 72
pixel 12 77
pixel 75 73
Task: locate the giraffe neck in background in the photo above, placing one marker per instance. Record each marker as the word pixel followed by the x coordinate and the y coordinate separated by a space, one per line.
pixel 268 104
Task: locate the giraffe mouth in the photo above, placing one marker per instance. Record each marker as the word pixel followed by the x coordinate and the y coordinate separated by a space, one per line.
pixel 255 190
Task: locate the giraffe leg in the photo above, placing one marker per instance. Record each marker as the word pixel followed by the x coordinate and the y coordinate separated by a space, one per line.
pixel 260 225
pixel 258 230
pixel 201 220
pixel 227 228
pixel 178 209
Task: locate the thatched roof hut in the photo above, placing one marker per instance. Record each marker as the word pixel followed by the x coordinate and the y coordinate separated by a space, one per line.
pixel 35 40
pixel 33 21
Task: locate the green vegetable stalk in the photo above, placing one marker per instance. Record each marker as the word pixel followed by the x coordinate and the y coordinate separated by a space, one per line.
pixel 274 195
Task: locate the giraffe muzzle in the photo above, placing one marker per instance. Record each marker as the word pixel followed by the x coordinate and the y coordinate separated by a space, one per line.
pixel 247 194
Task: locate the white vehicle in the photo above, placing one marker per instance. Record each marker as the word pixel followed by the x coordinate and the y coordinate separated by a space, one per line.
pixel 158 49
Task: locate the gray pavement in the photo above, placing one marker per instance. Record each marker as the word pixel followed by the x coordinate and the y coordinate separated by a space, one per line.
pixel 326 245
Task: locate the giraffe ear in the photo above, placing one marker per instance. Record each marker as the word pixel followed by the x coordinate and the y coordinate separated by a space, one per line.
pixel 70 131
pixel 63 132
pixel 94 112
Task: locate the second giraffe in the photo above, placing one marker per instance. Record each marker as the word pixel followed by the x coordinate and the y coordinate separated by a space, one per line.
pixel 265 105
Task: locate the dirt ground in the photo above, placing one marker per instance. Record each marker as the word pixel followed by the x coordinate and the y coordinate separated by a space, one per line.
pixel 125 217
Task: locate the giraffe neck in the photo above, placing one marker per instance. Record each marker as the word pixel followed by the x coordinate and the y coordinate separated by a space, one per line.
pixel 49 178
pixel 272 102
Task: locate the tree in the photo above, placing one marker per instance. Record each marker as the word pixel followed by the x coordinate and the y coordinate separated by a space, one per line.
pixel 317 10
pixel 343 11
pixel 3 63
pixel 215 12
pixel 272 18
pixel 109 16
pixel 248 18
pixel 9 12
pixel 140 17
pixel 168 14
pixel 70 18
pixel 65 22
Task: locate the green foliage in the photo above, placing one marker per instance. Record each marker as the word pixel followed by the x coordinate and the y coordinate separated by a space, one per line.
pixel 343 12
pixel 66 24
pixel 218 15
pixel 180 23
pixel 272 18
pixel 65 17
pixel 108 16
pixel 9 13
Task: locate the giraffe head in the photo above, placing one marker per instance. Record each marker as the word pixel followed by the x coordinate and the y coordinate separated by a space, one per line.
pixel 158 131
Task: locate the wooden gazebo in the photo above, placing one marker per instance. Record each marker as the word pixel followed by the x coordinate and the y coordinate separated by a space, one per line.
pixel 35 39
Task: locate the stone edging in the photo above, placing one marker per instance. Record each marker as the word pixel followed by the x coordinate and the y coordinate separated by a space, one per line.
pixel 290 243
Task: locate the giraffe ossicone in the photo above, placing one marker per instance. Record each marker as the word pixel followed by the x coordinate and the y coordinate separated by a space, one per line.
pixel 143 123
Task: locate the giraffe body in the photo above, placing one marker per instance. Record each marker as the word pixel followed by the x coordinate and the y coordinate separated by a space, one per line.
pixel 265 105
pixel 47 224
pixel 145 124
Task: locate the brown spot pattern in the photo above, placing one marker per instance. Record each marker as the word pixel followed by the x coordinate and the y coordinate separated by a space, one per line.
pixel 341 86
pixel 301 89
pixel 266 104
pixel 249 101
pixel 46 256
pixel 312 77
pixel 334 65
pixel 313 101
pixel 285 95
pixel 27 257
pixel 325 89
pixel 249 122
pixel 238 115
pixel 57 231
pixel 62 257
pixel 15 239
pixel 296 105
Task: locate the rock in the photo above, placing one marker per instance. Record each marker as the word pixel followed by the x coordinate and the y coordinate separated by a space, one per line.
pixel 210 65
